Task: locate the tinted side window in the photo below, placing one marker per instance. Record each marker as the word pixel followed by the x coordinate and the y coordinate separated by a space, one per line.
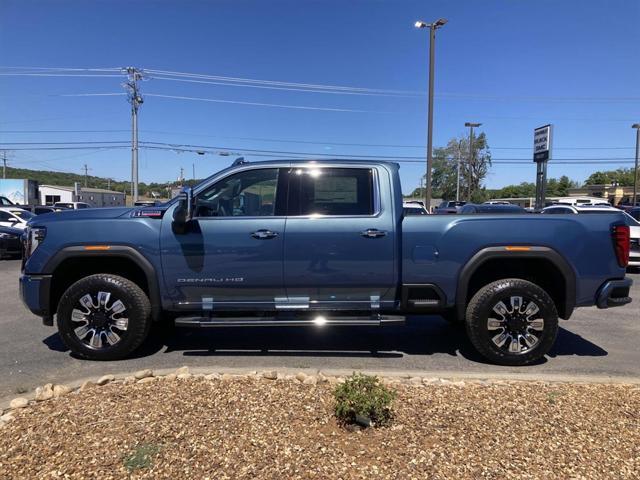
pixel 332 191
pixel 251 193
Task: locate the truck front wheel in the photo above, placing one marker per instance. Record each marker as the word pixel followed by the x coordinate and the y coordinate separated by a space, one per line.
pixel 103 317
pixel 512 322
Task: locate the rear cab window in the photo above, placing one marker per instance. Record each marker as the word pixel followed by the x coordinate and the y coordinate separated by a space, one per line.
pixel 331 192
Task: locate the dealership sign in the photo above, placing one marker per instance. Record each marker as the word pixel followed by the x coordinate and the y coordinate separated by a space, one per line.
pixel 542 143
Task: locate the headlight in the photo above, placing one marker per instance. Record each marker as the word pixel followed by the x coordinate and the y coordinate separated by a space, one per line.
pixel 34 237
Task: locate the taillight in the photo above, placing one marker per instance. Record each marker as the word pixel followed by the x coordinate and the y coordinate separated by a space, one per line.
pixel 621 243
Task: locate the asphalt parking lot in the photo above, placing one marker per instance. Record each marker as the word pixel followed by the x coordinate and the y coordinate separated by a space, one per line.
pixel 593 343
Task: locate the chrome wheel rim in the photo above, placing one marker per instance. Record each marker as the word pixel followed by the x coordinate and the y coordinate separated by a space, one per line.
pixel 99 322
pixel 515 325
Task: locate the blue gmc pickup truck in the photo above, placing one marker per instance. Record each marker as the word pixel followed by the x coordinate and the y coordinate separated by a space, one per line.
pixel 317 243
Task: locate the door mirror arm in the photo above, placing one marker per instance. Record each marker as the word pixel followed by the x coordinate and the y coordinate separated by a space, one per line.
pixel 183 212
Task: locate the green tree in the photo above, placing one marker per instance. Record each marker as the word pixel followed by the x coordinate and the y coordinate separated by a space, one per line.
pixel 621 176
pixel 472 173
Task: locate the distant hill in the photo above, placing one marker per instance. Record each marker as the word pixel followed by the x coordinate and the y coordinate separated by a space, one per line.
pixel 64 179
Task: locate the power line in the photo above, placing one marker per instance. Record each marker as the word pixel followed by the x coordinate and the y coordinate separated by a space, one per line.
pixel 259 104
pixel 290 89
pixel 288 140
pixel 315 86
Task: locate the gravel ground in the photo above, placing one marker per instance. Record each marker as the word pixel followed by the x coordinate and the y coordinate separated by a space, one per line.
pixel 195 428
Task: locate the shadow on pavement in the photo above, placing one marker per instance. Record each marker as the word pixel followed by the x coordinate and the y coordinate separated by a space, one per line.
pixel 421 336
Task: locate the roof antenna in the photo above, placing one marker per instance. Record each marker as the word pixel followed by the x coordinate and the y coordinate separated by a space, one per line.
pixel 239 161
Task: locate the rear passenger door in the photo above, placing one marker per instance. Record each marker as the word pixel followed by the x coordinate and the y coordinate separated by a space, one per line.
pixel 339 249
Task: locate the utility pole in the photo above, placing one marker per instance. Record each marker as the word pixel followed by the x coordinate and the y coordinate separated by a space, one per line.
pixel 635 170
pixel 135 99
pixel 181 176
pixel 193 165
pixel 432 45
pixel 86 173
pixel 4 164
pixel 471 126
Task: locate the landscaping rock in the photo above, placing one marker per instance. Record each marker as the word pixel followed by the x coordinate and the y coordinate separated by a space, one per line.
pixel 140 374
pixel 270 375
pixel 86 385
pixel 301 376
pixel 183 376
pixel 171 376
pixel 44 393
pixel 147 380
pixel 310 380
pixel 182 370
pixel 226 377
pixel 7 417
pixel 61 391
pixel 19 402
pixel 103 380
pixel 129 380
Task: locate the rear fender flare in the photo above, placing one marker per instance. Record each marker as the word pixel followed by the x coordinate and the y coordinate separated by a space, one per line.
pixel 501 252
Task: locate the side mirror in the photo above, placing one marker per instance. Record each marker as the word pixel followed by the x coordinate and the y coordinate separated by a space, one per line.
pixel 183 212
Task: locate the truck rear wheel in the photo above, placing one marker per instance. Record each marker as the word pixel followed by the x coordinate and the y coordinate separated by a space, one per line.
pixel 103 317
pixel 512 322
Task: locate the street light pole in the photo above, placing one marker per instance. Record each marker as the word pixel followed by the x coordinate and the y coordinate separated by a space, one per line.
pixel 432 41
pixel 471 125
pixel 635 170
pixel 458 176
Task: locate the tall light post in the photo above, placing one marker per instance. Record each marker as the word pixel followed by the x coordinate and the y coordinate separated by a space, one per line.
pixel 471 126
pixel 458 176
pixel 635 170
pixel 432 43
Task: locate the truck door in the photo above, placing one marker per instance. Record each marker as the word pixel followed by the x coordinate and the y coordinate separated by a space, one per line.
pixel 231 256
pixel 339 250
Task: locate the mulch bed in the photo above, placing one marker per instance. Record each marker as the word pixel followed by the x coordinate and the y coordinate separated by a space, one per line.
pixel 257 428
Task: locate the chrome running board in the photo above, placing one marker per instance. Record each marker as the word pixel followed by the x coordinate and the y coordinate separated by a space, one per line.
pixel 274 321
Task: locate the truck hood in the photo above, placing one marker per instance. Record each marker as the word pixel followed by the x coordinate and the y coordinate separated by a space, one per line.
pixel 84 214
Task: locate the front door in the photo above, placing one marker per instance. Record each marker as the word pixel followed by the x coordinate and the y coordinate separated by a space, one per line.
pixel 339 251
pixel 231 256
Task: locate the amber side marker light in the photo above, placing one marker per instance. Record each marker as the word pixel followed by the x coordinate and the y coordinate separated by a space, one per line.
pixel 517 249
pixel 97 247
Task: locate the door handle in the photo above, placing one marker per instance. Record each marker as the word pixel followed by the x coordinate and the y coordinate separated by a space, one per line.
pixel 264 234
pixel 373 233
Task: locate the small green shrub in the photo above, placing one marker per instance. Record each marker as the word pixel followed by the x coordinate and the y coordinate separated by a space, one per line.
pixel 365 397
pixel 141 457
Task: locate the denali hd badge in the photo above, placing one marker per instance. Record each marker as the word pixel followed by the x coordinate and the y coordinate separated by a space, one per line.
pixel 211 280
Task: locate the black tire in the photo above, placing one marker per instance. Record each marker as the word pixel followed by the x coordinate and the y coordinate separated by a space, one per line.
pixel 487 328
pixel 100 319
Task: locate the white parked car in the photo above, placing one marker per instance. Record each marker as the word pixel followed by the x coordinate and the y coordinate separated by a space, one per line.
pixel 560 209
pixel 15 217
pixel 413 208
pixel 71 205
pixel 634 234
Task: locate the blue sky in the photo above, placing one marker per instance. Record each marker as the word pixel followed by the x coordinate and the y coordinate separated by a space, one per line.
pixel 512 65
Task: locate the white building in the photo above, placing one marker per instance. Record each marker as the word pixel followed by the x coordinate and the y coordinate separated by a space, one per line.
pixel 96 197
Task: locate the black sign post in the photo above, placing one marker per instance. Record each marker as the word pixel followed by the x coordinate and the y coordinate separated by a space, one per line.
pixel 541 155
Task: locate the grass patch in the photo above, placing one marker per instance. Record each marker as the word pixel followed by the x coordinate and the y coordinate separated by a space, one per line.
pixel 141 457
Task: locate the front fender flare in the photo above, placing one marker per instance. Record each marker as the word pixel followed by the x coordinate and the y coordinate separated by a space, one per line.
pixel 121 251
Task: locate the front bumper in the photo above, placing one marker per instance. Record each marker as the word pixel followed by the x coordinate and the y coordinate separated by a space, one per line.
pixel 35 294
pixel 614 293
